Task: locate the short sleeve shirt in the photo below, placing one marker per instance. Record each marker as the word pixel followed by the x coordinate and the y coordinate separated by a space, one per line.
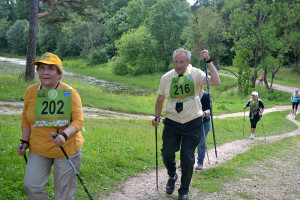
pixel 191 109
pixel 260 104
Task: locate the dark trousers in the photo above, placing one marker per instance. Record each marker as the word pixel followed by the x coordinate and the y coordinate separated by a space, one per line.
pixel 254 121
pixel 185 137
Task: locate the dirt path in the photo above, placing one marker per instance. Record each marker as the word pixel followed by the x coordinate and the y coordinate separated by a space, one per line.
pixel 15 108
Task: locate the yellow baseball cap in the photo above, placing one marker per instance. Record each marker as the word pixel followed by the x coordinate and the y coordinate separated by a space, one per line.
pixel 50 59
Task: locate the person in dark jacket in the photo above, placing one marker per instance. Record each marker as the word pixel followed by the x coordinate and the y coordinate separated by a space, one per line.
pixel 205 101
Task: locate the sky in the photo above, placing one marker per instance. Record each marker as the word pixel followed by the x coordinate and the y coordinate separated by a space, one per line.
pixel 191 1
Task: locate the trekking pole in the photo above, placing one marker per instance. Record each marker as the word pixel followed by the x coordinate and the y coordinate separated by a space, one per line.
pixel 73 167
pixel 156 164
pixel 211 113
pixel 262 127
pixel 244 124
pixel 20 147
pixel 205 146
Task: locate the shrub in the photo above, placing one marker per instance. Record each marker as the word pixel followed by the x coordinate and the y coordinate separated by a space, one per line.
pixel 138 49
pixel 118 66
pixel 97 56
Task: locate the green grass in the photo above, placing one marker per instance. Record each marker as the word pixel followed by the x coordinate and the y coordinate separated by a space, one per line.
pixel 212 179
pixel 297 117
pixel 12 88
pixel 231 129
pixel 148 82
pixel 115 150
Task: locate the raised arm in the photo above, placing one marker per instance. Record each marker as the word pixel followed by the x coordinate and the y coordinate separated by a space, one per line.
pixel 213 79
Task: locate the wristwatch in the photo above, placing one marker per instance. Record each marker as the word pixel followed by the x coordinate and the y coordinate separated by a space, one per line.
pixel 205 113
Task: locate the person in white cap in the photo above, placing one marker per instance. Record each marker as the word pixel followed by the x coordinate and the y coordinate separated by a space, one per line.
pixel 256 110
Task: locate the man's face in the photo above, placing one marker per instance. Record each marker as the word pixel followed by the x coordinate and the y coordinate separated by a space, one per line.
pixel 180 63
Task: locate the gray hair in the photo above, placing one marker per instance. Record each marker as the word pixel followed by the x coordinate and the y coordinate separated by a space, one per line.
pixel 181 51
pixel 255 93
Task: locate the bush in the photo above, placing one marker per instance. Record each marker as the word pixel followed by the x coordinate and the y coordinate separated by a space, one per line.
pixel 118 66
pixel 138 49
pixel 295 67
pixel 97 56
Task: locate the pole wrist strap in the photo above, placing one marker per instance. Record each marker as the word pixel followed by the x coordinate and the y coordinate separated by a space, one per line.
pixel 64 135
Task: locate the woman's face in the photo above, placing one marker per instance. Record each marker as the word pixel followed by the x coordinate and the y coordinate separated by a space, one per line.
pixel 254 97
pixel 48 75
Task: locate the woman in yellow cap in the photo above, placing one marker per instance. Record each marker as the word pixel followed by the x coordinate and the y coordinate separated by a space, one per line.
pixel 51 106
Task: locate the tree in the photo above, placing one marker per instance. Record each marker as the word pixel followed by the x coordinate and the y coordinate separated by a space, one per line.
pixel 205 30
pixel 48 37
pixel 115 27
pixel 32 39
pixel 138 50
pixel 138 11
pixel 240 61
pixel 166 22
pixel 263 27
pixel 285 17
pixel 113 6
pixel 69 43
pixel 21 9
pixel 16 38
pixel 63 7
pixel 4 26
pixel 250 29
pixel 6 10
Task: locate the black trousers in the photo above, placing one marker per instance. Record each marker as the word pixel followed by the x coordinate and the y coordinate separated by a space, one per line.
pixel 254 121
pixel 184 137
pixel 295 105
